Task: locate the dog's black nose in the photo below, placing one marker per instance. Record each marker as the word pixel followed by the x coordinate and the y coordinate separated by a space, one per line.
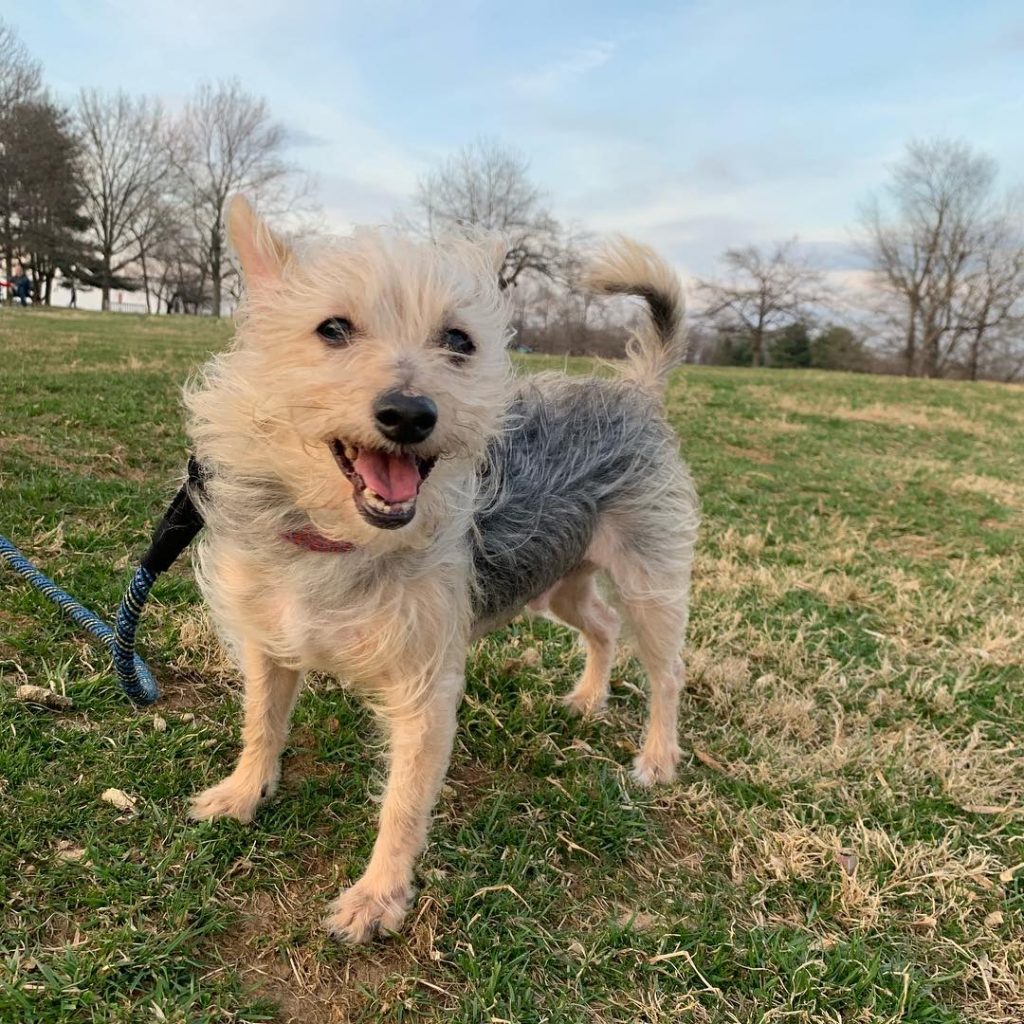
pixel 403 418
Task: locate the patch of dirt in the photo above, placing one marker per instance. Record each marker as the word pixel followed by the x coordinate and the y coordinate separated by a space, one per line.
pixel 186 691
pixel 278 950
pixel 15 619
pixel 303 761
pixel 285 976
pixel 750 454
pixel 466 786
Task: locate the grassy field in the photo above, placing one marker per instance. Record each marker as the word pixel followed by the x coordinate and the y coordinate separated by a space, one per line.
pixel 845 842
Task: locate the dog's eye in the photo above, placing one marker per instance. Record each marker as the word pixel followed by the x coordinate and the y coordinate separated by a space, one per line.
pixel 458 342
pixel 336 331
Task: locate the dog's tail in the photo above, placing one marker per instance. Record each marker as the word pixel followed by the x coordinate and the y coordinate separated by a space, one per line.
pixel 626 267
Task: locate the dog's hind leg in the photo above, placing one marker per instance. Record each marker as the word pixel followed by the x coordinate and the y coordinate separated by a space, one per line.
pixel 656 606
pixel 658 630
pixel 270 692
pixel 576 601
pixel 420 744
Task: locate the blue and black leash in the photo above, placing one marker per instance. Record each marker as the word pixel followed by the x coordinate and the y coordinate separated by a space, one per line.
pixel 179 525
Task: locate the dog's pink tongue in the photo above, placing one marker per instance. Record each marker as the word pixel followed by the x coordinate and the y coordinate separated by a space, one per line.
pixel 395 478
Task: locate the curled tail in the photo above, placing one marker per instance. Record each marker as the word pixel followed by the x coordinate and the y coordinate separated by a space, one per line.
pixel 626 267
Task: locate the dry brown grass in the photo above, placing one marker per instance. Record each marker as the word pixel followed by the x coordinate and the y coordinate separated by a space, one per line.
pixel 927 418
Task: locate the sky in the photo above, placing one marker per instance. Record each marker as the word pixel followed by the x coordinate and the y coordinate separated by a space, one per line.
pixel 693 126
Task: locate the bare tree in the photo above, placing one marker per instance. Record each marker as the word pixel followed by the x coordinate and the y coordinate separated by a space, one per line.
pixel 943 253
pixel 20 83
pixel 765 291
pixel 20 74
pixel 153 230
pixel 486 185
pixel 988 309
pixel 177 273
pixel 124 168
pixel 225 142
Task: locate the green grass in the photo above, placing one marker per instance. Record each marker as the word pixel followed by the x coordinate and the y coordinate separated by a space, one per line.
pixel 845 840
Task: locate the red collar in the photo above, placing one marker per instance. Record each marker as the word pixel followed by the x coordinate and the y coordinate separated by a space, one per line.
pixel 310 540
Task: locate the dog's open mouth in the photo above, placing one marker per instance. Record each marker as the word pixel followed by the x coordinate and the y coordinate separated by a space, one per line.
pixel 385 484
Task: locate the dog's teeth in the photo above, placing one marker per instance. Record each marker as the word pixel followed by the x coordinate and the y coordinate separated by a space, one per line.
pixel 376 502
pixel 351 453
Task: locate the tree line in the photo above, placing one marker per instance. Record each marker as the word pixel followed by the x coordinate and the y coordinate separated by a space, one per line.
pixel 940 290
pixel 117 193
pixel 938 287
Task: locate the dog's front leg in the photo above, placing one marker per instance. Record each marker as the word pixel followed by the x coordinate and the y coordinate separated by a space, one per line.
pixel 270 692
pixel 420 745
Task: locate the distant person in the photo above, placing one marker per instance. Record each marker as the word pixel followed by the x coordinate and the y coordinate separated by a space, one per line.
pixel 73 304
pixel 22 285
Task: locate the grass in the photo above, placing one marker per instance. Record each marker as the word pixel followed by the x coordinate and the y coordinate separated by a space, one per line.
pixel 845 841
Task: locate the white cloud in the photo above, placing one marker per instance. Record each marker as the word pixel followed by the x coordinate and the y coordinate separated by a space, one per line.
pixel 364 175
pixel 562 73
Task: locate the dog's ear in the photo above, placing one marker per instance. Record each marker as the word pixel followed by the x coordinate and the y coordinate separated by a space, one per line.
pixel 260 252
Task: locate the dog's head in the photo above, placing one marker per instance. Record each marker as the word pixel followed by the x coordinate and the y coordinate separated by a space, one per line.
pixel 367 372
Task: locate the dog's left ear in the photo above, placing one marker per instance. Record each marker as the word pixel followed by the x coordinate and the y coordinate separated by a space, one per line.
pixel 260 252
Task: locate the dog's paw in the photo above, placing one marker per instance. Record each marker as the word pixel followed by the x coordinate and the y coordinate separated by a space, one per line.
pixel 656 765
pixel 232 798
pixel 585 702
pixel 360 915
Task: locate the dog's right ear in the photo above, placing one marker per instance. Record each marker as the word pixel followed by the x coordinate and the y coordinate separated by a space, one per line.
pixel 260 252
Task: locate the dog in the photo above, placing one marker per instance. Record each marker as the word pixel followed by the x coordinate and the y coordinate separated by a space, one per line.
pixel 381 491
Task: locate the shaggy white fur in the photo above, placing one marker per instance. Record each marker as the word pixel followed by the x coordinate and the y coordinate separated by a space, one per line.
pixel 282 423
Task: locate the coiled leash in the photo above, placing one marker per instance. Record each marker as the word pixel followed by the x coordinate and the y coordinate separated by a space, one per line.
pixel 180 523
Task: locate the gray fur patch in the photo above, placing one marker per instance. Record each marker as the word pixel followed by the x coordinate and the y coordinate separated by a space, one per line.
pixel 575 450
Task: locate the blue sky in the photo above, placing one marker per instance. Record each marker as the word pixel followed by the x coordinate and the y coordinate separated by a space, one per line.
pixel 694 126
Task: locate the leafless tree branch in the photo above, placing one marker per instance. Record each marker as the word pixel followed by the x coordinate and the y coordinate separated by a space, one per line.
pixel 764 291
